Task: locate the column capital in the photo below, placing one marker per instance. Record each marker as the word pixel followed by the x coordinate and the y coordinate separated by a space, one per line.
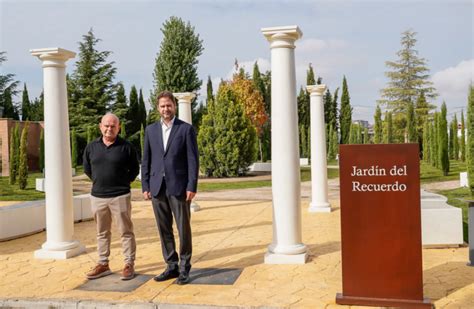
pixel 282 37
pixel 184 97
pixel 316 89
pixel 53 57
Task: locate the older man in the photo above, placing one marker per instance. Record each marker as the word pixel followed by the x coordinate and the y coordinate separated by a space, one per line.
pixel 112 164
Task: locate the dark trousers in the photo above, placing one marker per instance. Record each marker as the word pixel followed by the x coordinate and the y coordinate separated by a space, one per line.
pixel 166 206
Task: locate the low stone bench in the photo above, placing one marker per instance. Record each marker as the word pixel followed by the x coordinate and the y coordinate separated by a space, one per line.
pixel 27 218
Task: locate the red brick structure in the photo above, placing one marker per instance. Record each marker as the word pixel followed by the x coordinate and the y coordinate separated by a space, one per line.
pixel 34 131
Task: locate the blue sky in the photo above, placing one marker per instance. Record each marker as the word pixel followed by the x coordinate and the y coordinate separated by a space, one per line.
pixel 351 38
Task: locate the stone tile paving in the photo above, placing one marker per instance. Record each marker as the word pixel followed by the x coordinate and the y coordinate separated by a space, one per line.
pixel 227 234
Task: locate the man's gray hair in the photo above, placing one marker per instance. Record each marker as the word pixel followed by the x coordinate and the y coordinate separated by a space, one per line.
pixel 111 115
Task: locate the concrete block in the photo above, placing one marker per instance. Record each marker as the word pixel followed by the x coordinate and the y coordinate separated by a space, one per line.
pixel 260 167
pixel 304 162
pixel 86 211
pixel 441 223
pixel 22 219
pixel 40 184
pixel 463 179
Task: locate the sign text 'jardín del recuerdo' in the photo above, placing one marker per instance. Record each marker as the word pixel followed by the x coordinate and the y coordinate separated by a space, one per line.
pixel 361 184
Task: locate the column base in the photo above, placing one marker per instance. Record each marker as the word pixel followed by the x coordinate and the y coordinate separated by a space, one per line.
pixel 195 207
pixel 319 207
pixel 45 253
pixel 278 258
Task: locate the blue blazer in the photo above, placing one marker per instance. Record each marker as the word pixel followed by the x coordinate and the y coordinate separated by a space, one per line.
pixel 179 164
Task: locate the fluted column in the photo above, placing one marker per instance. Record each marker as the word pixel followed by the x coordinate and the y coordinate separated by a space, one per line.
pixel 185 114
pixel 319 173
pixel 287 246
pixel 58 187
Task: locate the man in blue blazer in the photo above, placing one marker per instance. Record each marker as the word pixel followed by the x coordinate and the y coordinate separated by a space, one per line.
pixel 170 165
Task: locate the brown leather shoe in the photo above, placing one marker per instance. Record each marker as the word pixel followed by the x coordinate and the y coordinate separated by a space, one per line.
pixel 100 270
pixel 128 272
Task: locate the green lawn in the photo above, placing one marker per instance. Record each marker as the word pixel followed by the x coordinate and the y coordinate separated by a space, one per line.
pixel 12 193
pixel 459 197
pixel 429 173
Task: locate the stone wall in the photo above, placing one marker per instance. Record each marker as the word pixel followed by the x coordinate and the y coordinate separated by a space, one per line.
pixel 6 126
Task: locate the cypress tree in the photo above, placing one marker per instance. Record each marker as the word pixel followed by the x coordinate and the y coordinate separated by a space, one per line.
pixel 334 111
pixel 327 99
pixel 388 138
pixel 23 159
pixel 366 136
pixel 227 139
pixel 209 90
pixel 120 107
pixel 451 140
pixel 123 133
pixel 176 62
pixel 353 134
pixel 37 109
pixel 25 105
pixel 378 127
pixel 303 142
pixel 422 109
pixel 443 141
pixel 142 139
pixel 9 109
pixel 141 109
pixel 330 149
pixel 73 148
pixel 345 120
pixel 455 138
pixel 14 154
pixel 470 139
pixel 426 142
pixel 334 144
pixel 462 144
pixel 41 151
pixel 411 124
pixel 133 123
pixel 303 120
pixel 434 139
pixel 90 134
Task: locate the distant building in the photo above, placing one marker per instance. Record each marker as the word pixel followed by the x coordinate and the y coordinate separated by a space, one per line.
pixel 362 123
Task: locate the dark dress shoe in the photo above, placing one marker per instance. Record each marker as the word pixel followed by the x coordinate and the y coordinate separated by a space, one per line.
pixel 183 278
pixel 167 275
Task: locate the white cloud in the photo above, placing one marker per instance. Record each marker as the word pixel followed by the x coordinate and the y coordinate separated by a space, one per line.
pixel 452 83
pixel 316 45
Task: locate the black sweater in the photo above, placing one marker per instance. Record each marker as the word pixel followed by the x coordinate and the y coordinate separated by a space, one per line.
pixel 111 168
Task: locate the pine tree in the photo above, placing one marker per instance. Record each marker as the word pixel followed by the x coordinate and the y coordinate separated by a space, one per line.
pixel 227 139
pixel 462 143
pixel 23 159
pixel 14 153
pixel 91 90
pixel 411 124
pixel 73 148
pixel 120 107
pixel 41 151
pixel 8 86
pixel 378 127
pixel 176 62
pixel 25 105
pixel 443 141
pixel 345 115
pixel 470 139
pixel 90 134
pixel 408 79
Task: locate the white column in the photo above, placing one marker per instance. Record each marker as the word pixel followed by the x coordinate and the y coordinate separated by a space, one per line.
pixel 59 206
pixel 185 114
pixel 319 173
pixel 287 246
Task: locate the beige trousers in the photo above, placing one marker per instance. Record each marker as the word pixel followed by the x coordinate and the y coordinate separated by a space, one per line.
pixel 120 208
